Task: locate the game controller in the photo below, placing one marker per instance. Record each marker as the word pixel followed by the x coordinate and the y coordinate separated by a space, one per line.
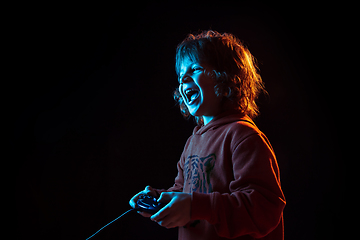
pixel 149 204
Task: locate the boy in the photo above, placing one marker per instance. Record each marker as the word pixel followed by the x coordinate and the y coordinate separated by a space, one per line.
pixel 228 182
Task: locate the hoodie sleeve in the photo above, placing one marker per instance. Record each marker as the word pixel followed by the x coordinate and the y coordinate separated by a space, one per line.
pixel 255 202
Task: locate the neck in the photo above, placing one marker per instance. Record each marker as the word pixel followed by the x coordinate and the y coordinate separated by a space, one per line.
pixel 207 119
pixel 227 106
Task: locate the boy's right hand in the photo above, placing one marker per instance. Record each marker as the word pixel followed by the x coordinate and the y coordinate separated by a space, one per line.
pixel 147 191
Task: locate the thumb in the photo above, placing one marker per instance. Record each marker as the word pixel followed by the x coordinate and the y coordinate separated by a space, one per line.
pixel 149 191
pixel 165 197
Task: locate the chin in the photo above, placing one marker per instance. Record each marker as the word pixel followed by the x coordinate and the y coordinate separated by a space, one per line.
pixel 196 114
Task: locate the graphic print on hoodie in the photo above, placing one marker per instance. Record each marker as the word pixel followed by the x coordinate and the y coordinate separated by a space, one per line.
pixel 231 171
pixel 197 173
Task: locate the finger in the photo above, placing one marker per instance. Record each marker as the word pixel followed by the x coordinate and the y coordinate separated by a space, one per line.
pixel 165 224
pixel 171 226
pixel 133 200
pixel 162 213
pixel 165 197
pixel 144 214
pixel 170 221
pixel 149 191
pixel 132 203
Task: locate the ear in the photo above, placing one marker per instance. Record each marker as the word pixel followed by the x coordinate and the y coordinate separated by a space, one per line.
pixel 221 90
pixel 227 92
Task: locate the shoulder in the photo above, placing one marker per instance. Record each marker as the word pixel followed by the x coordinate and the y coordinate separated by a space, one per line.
pixel 243 128
pixel 246 131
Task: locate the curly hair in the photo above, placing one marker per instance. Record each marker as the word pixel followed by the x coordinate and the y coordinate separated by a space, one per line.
pixel 234 70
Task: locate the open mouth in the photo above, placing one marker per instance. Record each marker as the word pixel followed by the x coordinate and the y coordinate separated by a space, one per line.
pixel 191 95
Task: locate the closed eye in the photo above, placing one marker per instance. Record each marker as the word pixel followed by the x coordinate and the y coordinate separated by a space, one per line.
pixel 197 69
pixel 194 69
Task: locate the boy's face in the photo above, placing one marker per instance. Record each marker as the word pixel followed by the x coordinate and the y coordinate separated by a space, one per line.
pixel 197 90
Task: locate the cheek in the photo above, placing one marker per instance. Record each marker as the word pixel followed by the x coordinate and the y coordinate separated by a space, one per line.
pixel 207 85
pixel 208 93
pixel 181 91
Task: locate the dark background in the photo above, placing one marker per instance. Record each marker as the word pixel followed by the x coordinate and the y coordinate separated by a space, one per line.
pixel 93 120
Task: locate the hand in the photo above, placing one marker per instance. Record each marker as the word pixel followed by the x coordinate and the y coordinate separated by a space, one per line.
pixel 176 213
pixel 147 191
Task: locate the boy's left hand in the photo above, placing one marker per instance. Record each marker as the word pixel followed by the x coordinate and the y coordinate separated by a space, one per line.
pixel 176 213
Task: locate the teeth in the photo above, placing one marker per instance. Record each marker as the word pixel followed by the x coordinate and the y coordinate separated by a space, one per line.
pixel 187 91
pixel 191 94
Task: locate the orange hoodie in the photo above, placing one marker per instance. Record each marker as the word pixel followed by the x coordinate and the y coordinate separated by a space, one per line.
pixel 230 168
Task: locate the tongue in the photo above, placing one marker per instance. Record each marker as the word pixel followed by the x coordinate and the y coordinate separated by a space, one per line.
pixel 194 96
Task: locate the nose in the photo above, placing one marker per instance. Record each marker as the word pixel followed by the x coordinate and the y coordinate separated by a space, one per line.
pixel 185 79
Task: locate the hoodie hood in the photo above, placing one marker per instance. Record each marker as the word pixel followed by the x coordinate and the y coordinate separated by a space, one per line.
pixel 222 119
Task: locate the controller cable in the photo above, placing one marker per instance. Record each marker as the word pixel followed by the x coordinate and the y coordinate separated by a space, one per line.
pixel 113 221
